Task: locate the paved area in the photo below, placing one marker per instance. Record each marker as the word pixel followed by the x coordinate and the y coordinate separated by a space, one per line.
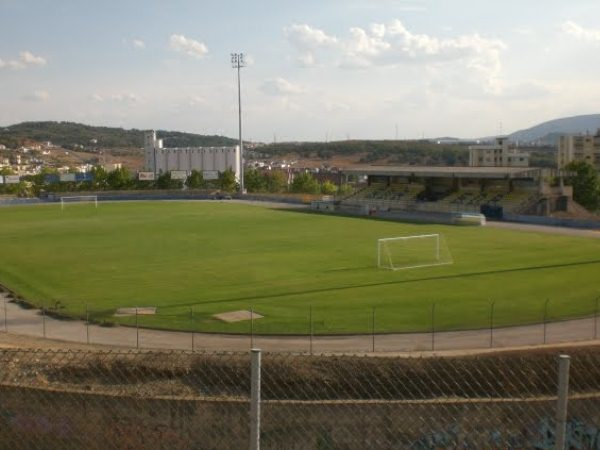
pixel 30 322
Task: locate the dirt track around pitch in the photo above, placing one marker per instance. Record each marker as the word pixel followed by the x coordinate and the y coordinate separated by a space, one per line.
pixel 23 325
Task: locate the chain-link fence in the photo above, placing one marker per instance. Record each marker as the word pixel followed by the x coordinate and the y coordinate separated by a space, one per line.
pixel 98 399
pixel 317 333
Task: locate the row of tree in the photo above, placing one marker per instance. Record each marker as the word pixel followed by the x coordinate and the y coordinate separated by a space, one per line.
pixel 123 179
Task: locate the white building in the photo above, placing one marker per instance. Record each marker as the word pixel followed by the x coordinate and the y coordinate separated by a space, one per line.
pixel 208 160
pixel 579 147
pixel 497 155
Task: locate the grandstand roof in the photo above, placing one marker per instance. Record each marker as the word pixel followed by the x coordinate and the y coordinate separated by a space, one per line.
pixel 444 172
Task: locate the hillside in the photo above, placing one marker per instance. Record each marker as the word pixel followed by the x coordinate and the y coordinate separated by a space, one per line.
pixel 420 152
pixel 547 133
pixel 70 135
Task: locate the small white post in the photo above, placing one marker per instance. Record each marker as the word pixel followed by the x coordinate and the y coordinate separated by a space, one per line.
pixel 43 321
pixel 87 324
pixel 255 400
pixel 310 326
pixel 563 397
pixel 137 329
pixel 5 317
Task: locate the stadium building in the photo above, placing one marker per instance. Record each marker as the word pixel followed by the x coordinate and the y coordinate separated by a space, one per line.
pixel 496 192
pixel 209 160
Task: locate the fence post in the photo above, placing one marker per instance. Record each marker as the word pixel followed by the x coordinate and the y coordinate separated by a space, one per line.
pixel 563 397
pixel 545 317
pixel 87 324
pixel 373 329
pixel 492 324
pixel 251 328
pixel 433 326
pixel 137 329
pixel 43 321
pixel 192 324
pixel 255 400
pixel 310 326
pixel 595 318
pixel 5 317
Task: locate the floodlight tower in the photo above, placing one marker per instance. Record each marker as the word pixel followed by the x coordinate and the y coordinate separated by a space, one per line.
pixel 237 62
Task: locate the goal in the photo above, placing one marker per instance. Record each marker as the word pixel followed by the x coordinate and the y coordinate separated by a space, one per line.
pixel 410 252
pixel 79 199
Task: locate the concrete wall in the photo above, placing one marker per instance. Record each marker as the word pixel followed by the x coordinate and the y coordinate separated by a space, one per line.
pixel 552 221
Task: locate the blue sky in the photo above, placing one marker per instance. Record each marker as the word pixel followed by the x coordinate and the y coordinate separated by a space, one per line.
pixel 317 70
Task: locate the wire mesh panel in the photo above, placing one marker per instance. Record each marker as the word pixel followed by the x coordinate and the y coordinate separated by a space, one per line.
pixel 583 423
pixel 123 400
pixel 176 400
pixel 368 402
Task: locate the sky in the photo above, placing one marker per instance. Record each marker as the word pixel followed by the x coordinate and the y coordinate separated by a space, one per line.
pixel 318 70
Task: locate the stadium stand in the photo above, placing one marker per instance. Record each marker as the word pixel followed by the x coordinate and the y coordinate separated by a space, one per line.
pixel 492 191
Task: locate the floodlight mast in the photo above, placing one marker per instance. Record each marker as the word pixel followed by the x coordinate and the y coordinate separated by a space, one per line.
pixel 237 62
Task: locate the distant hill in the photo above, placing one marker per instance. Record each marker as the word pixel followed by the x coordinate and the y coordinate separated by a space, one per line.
pixel 547 133
pixel 418 152
pixel 70 134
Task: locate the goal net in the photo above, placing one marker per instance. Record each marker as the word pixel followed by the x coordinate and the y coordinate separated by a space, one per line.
pixel 410 252
pixel 89 199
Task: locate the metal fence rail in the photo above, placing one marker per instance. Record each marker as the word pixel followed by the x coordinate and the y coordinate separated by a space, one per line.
pixel 99 399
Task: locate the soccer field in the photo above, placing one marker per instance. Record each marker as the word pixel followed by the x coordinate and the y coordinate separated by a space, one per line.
pixel 195 259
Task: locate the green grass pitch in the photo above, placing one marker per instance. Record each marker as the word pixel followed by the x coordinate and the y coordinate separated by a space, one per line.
pixel 195 259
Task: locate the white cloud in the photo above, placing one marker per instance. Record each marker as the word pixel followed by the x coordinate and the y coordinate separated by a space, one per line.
pixel 139 44
pixel 578 32
pixel 280 86
pixel 96 98
pixel 307 40
pixel 26 59
pixel 393 44
pixel 30 59
pixel 197 101
pixel 190 47
pixel 125 98
pixel 37 96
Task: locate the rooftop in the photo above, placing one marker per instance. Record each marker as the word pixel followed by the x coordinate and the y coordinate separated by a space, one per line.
pixel 442 172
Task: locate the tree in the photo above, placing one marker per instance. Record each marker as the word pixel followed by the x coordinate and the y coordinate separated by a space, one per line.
pixel 164 181
pixel 586 184
pixel 100 177
pixel 195 180
pixel 276 181
pixel 328 188
pixel 304 182
pixel 345 189
pixel 254 181
pixel 119 178
pixel 227 180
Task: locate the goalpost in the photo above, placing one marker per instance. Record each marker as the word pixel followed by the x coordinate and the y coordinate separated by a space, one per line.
pixel 79 199
pixel 411 252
